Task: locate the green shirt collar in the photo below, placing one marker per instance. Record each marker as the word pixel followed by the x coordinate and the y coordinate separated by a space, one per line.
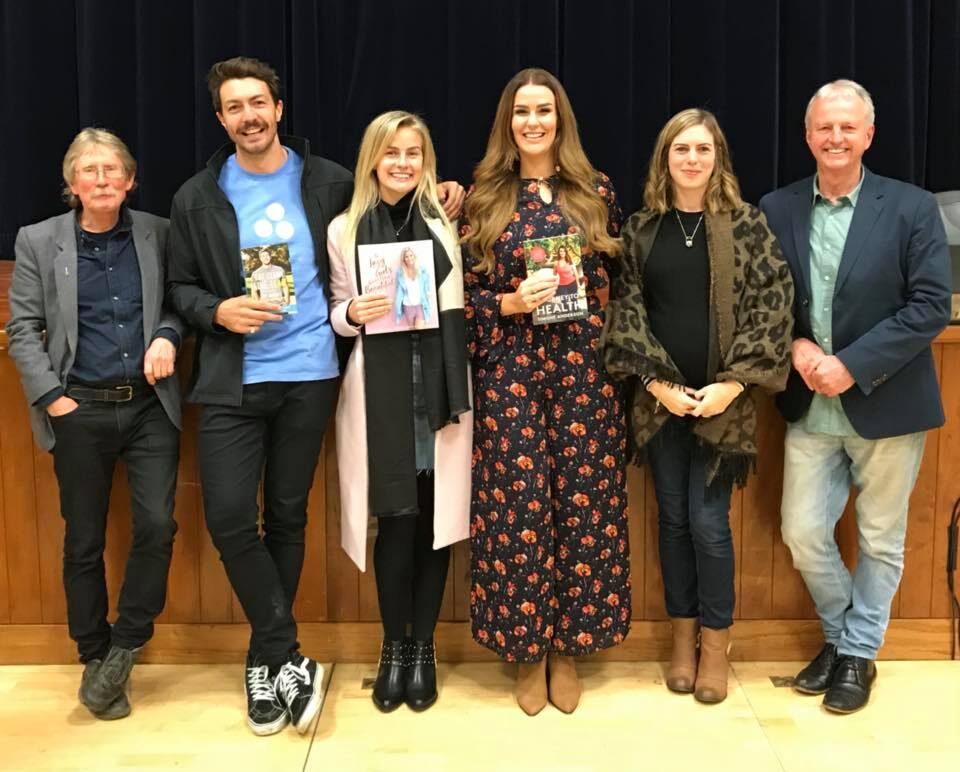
pixel 850 198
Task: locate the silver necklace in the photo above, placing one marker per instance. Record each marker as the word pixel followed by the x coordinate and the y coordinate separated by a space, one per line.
pixel 406 220
pixel 688 240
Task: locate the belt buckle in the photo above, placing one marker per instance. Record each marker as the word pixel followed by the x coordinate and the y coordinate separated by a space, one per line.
pixel 129 393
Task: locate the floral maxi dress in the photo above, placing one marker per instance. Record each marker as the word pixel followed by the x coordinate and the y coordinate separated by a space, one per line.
pixel 549 549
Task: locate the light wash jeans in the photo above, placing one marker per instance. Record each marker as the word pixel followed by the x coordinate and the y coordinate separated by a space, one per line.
pixel 818 470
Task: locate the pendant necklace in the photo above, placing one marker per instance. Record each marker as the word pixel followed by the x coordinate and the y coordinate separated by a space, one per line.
pixel 544 189
pixel 688 240
pixel 406 220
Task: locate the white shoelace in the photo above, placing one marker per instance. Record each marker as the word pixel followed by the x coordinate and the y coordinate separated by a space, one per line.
pixel 289 679
pixel 258 680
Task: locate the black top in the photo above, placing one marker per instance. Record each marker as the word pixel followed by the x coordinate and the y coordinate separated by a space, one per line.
pixel 676 292
pixel 400 216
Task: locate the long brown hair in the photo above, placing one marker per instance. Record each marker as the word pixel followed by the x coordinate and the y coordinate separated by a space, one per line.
pixel 497 177
pixel 723 190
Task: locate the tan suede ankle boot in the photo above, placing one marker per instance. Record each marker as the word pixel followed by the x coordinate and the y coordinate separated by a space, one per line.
pixel 531 687
pixel 682 672
pixel 712 671
pixel 564 684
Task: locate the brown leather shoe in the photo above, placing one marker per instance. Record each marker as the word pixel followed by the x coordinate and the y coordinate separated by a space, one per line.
pixel 564 684
pixel 531 687
pixel 682 671
pixel 712 671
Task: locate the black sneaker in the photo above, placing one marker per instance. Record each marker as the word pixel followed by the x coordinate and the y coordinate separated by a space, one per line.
pixel 299 686
pixel 119 708
pixel 265 713
pixel 102 687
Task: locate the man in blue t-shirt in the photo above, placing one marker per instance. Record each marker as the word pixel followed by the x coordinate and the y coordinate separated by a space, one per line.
pixel 266 380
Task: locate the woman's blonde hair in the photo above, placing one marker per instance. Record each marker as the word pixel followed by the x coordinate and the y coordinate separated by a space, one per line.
pixel 497 177
pixel 366 189
pixel 86 139
pixel 723 190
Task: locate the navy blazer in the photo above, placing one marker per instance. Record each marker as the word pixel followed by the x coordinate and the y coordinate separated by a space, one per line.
pixel 892 298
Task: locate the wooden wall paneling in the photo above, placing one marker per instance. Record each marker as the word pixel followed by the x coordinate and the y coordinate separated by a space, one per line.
pixel 461 581
pixel 311 602
pixel 49 538
pixel 948 478
pixel 185 585
pixel 636 493
pixel 653 603
pixel 342 574
pixel 119 528
pixel 4 563
pixel 760 529
pixel 16 440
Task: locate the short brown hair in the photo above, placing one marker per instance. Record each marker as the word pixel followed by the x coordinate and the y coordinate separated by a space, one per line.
pixel 241 67
pixel 86 139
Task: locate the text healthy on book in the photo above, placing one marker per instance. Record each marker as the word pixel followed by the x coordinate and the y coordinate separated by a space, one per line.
pixel 559 256
pixel 401 271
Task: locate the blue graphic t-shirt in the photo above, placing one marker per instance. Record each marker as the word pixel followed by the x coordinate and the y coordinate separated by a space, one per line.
pixel 277 260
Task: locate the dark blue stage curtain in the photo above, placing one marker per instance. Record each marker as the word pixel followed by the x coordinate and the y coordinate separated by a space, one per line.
pixel 137 67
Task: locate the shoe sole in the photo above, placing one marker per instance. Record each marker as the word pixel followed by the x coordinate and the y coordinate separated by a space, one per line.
pixel 804 690
pixel 262 730
pixel 313 708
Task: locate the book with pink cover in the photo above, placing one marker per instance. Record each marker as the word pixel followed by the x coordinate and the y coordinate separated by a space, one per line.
pixel 403 272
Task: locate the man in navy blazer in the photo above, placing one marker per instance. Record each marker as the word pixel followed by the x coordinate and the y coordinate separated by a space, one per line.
pixel 872 274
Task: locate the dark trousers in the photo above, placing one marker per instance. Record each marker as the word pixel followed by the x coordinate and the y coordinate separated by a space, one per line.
pixel 88 443
pixel 275 435
pixel 410 573
pixel 696 546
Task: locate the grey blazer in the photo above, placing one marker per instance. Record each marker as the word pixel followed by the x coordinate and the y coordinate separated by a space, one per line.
pixel 43 298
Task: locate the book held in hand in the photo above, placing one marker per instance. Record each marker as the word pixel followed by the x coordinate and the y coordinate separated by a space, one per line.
pixel 403 272
pixel 559 256
pixel 268 275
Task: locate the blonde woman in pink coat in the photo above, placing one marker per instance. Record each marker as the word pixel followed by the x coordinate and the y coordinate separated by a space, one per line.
pixel 404 423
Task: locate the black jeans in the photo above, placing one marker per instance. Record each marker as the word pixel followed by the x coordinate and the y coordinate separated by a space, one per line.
pixel 275 434
pixel 696 546
pixel 410 573
pixel 88 443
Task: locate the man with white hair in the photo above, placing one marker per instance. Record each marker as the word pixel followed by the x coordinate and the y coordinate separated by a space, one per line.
pixel 872 274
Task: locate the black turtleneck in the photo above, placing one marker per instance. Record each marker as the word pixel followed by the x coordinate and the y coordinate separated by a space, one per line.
pixel 399 217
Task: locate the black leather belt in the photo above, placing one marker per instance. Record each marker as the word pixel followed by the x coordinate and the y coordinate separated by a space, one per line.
pixel 110 394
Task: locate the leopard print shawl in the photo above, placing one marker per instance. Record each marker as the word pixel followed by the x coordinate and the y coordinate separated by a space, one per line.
pixel 751 296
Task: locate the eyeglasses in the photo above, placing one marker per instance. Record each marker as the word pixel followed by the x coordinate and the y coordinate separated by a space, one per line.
pixel 110 171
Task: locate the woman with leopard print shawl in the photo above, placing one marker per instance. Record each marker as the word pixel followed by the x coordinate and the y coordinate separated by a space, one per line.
pixel 699 316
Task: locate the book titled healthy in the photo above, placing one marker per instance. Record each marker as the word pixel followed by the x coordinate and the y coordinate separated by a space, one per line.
pixel 403 272
pixel 560 257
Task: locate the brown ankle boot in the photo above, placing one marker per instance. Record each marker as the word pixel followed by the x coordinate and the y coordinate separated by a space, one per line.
pixel 531 687
pixel 713 668
pixel 564 684
pixel 683 658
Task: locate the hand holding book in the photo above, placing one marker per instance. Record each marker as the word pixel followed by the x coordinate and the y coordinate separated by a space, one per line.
pixel 533 292
pixel 366 308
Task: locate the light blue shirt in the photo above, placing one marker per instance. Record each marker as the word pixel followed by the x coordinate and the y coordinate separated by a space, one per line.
pixel 270 214
pixel 829 226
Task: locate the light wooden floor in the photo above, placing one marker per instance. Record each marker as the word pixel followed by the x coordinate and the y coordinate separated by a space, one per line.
pixel 189 717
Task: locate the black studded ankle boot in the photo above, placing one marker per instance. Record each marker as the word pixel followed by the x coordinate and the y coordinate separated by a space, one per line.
pixel 388 689
pixel 421 686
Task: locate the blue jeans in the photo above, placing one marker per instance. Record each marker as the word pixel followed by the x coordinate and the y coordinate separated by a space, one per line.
pixel 818 470
pixel 696 546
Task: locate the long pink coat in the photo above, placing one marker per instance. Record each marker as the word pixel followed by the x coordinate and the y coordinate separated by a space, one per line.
pixel 454 443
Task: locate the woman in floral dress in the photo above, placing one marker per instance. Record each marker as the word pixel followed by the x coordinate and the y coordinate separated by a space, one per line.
pixel 550 562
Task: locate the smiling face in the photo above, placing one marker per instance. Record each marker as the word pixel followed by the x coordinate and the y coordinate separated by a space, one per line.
pixel 250 116
pixel 838 133
pixel 690 160
pixel 100 181
pixel 534 122
pixel 401 167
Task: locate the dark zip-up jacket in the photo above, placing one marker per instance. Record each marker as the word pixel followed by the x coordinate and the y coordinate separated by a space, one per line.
pixel 203 261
